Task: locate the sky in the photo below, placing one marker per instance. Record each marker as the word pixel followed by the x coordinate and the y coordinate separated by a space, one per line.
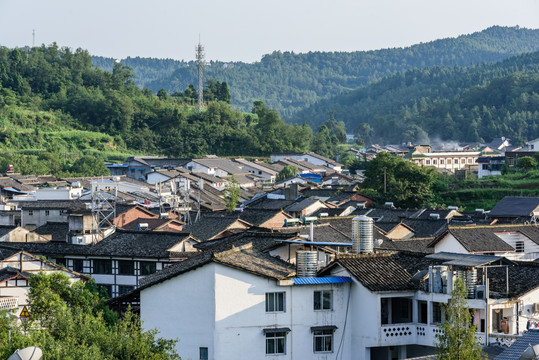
pixel 245 30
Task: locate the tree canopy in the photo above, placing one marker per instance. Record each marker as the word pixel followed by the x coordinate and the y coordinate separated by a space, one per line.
pixel 71 321
pixel 399 181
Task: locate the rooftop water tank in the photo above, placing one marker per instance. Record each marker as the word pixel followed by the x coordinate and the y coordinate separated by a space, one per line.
pixel 306 263
pixel 362 234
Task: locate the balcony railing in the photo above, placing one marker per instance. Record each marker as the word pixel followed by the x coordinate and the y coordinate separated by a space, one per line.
pixel 8 302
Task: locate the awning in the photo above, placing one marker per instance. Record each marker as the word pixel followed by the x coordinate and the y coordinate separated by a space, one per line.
pixel 275 330
pixel 322 280
pixel 321 328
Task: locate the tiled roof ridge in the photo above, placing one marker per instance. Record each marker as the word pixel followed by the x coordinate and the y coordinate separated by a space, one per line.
pixel 488 226
pixel 366 255
pixel 234 249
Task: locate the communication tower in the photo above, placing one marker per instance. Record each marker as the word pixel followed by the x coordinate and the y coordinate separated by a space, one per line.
pixel 103 208
pixel 200 63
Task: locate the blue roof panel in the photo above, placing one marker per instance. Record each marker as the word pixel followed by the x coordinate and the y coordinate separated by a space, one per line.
pixel 322 280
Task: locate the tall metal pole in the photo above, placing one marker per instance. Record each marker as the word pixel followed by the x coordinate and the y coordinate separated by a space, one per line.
pixel 200 64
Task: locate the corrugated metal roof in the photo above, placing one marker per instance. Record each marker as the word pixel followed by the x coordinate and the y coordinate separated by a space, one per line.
pixel 322 280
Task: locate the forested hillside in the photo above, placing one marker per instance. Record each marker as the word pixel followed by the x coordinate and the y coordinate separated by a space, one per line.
pixel 475 103
pixel 289 82
pixel 56 108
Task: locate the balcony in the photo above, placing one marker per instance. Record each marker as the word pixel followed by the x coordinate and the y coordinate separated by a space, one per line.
pixel 417 334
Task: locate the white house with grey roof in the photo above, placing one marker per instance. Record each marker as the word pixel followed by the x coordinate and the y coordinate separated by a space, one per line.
pixel 515 241
pixel 311 157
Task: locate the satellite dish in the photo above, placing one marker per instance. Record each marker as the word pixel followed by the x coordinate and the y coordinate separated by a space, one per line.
pixel 29 353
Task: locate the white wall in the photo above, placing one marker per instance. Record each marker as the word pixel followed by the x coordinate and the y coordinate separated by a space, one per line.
pixel 449 244
pixel 183 308
pixel 232 325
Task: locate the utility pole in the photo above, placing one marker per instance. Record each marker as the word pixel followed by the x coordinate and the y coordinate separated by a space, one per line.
pixel 385 179
pixel 200 63
pixel 33 37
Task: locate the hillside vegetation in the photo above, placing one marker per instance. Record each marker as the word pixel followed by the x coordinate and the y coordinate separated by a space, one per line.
pixel 56 108
pixel 289 82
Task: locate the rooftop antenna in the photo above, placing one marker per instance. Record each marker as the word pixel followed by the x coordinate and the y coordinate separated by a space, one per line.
pixel 200 63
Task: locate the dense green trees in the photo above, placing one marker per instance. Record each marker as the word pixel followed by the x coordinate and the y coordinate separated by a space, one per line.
pixel 71 321
pixel 52 98
pixel 474 104
pixel 399 181
pixel 289 82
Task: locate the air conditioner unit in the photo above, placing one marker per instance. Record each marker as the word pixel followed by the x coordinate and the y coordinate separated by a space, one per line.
pixel 480 292
pixel 536 307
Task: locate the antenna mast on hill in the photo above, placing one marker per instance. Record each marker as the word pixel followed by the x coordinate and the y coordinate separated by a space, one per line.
pixel 33 38
pixel 200 63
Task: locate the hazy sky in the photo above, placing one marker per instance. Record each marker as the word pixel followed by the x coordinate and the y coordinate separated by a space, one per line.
pixel 244 30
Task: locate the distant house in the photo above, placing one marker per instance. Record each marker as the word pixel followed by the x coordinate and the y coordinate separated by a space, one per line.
pixel 311 157
pixel 447 160
pixel 516 209
pixel 490 165
pixel 263 172
pixel 215 166
pixel 16 266
pixel 139 167
pixel 517 242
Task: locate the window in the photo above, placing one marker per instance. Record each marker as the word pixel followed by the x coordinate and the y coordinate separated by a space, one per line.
pixel 47 212
pixel 275 343
pixel 323 300
pixel 323 340
pixel 463 161
pixel 30 212
pixel 124 289
pixel 519 246
pixel 442 161
pixel 436 313
pixel 275 302
pixel 427 162
pixel 126 267
pixel 456 161
pixel 203 351
pixel 102 267
pixel 78 265
pixel 147 267
pixel 434 162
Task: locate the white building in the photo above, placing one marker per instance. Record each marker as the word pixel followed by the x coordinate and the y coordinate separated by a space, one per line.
pixel 248 304
pixel 515 242
pixel 310 158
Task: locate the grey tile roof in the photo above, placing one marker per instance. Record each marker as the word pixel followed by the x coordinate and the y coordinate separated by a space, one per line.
pixel 270 204
pixel 344 225
pixel 388 271
pixel 520 345
pixel 243 253
pixel 152 223
pixel 4 230
pixel 413 245
pixel 321 233
pixel 224 164
pixel 523 278
pixel 210 225
pixel 71 205
pixel 424 228
pixel 139 244
pixel 121 244
pixel 483 238
pixel 514 206
pixel 58 231
pixel 301 205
